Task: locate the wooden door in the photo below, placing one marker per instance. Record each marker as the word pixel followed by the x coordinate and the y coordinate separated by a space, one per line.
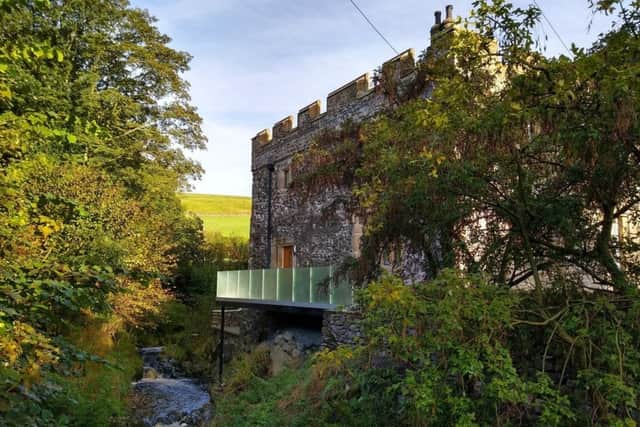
pixel 287 257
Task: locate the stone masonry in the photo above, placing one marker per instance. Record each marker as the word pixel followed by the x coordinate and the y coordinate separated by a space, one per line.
pixel 318 239
pixel 341 328
pixel 280 217
pixel 291 230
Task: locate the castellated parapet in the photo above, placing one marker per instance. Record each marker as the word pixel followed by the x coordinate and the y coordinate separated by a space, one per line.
pixel 303 224
pixel 291 230
pixel 354 100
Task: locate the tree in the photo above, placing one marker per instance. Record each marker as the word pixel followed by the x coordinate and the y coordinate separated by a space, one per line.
pixel 94 115
pixel 519 168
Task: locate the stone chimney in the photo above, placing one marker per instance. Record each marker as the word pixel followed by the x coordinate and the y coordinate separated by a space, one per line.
pixel 449 11
pixel 440 27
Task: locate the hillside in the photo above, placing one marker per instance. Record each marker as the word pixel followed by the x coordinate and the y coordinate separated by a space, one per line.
pixel 228 215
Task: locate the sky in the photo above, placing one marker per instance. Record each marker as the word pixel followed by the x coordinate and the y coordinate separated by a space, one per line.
pixel 258 61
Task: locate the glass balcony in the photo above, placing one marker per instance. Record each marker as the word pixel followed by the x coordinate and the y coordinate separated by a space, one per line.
pixel 310 287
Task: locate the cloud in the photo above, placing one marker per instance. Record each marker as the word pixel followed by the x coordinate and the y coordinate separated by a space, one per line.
pixel 257 61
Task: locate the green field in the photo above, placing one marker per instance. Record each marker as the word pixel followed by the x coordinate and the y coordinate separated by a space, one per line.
pixel 228 215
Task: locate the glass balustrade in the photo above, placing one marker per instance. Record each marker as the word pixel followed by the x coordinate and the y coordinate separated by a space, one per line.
pixel 316 287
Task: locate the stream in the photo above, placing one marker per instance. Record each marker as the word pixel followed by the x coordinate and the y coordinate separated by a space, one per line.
pixel 164 397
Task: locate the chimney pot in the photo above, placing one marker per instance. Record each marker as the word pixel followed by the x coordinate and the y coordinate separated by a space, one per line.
pixel 449 12
pixel 438 15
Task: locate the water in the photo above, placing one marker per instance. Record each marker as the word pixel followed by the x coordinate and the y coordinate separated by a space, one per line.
pixel 165 397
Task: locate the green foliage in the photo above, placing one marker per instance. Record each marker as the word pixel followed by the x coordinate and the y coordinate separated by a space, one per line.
pixel 99 395
pixel 246 368
pixel 185 330
pixel 93 113
pixel 447 359
pixel 461 351
pixel 184 325
pixel 519 167
pixel 260 400
pixel 85 393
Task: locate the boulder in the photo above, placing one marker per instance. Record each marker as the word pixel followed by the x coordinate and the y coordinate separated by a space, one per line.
pixel 289 348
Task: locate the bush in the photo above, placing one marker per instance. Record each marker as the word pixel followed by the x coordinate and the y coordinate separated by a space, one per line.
pixel 90 391
pixel 253 399
pixel 459 350
pixel 248 367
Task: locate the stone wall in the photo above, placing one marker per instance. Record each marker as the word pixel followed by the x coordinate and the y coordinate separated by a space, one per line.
pixel 321 239
pixel 244 328
pixel 247 327
pixel 317 225
pixel 341 328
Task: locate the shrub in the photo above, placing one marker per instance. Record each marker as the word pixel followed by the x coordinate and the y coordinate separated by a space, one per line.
pixel 247 367
pixel 459 350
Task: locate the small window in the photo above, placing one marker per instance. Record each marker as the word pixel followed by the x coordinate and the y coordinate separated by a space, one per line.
pixel 356 237
pixel 287 177
pixel 389 257
pixel 284 178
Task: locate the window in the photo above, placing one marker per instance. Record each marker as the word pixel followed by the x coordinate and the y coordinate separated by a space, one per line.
pixel 356 236
pixel 287 176
pixel 284 177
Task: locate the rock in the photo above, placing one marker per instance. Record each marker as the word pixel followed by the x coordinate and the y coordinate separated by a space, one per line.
pixel 157 365
pixel 149 372
pixel 287 336
pixel 289 348
pixel 279 360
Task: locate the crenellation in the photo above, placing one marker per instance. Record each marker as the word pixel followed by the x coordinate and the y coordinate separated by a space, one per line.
pixel 397 68
pixel 316 229
pixel 283 127
pixel 348 93
pixel 309 113
pixel 263 137
pixel 400 65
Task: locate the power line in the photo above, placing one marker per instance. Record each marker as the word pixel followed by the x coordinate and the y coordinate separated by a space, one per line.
pixel 373 26
pixel 552 27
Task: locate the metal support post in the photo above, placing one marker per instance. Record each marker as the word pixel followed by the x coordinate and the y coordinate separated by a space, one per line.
pixel 221 349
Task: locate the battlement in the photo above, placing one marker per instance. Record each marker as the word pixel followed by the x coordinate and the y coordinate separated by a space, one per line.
pixel 337 99
pixel 395 69
pixel 263 137
pixel 400 65
pixel 348 92
pixel 283 127
pixel 309 113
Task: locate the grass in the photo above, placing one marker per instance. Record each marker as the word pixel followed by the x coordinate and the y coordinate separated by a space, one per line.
pixel 233 225
pixel 211 204
pixel 227 215
pixel 260 402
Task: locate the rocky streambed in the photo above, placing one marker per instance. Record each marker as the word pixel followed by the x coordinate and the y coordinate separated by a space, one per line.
pixel 164 397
